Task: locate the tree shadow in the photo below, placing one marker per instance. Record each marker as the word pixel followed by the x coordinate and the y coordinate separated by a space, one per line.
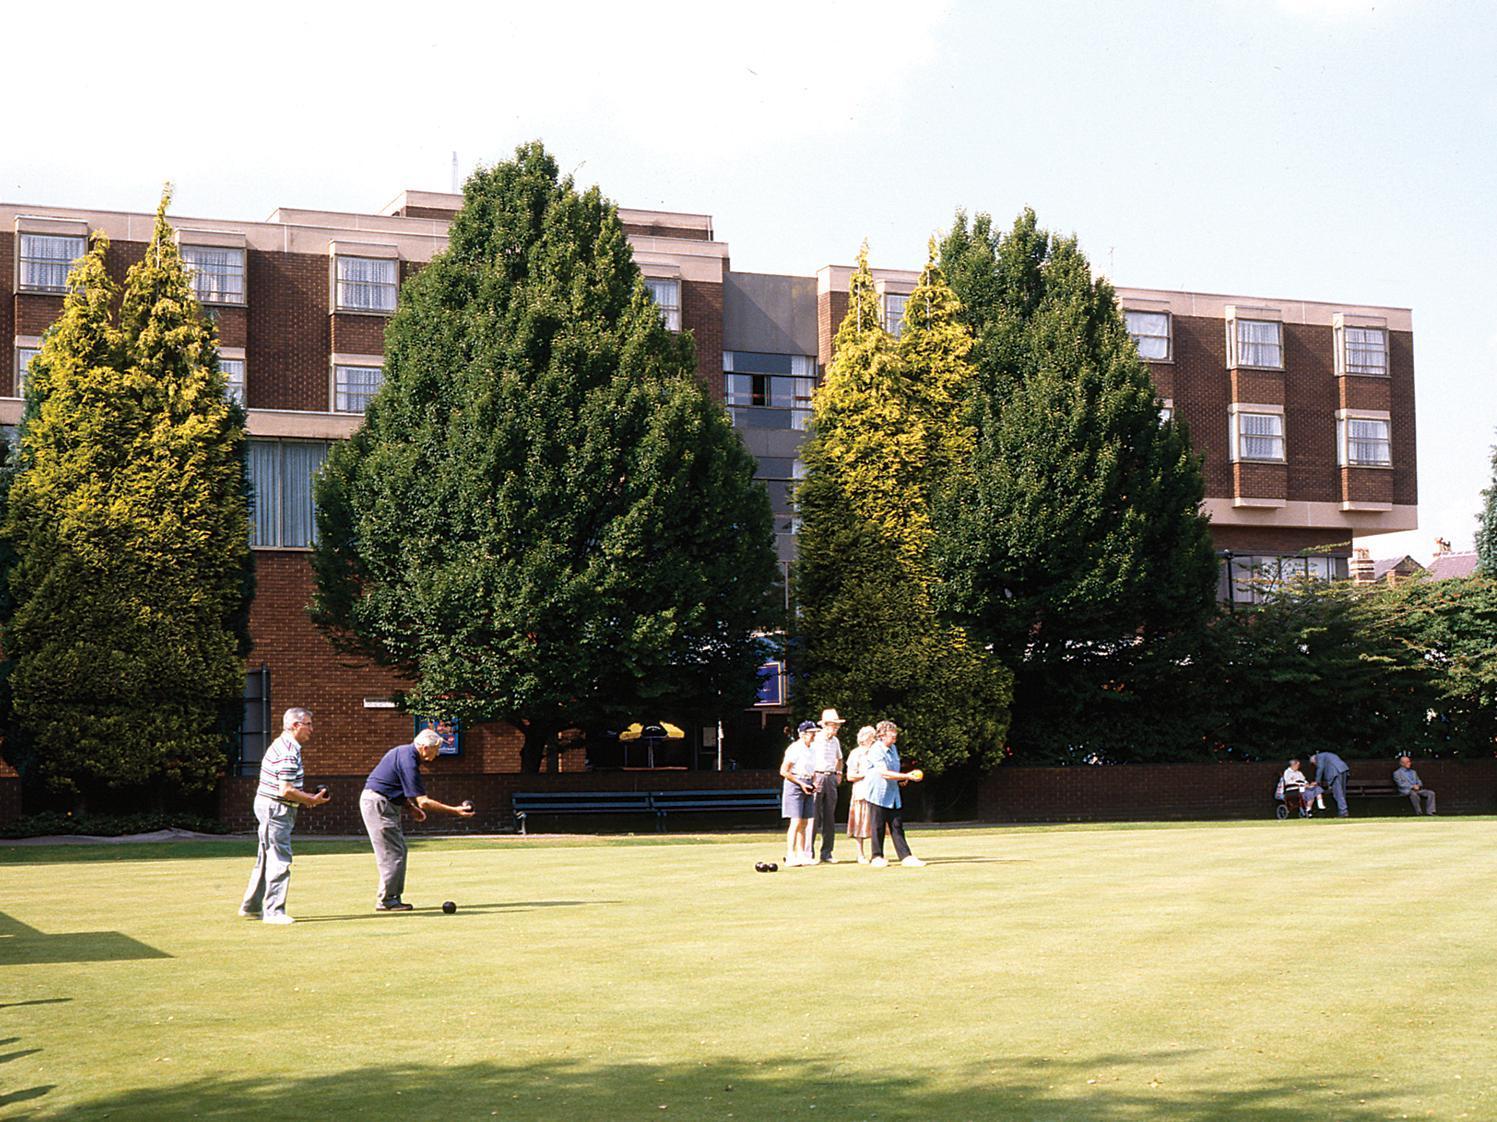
pixel 21 945
pixel 435 911
pixel 1096 1088
pixel 229 846
pixel 34 1001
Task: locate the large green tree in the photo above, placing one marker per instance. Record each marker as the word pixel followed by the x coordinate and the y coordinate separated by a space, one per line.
pixel 1077 543
pixel 885 431
pixel 544 518
pixel 127 515
pixel 1486 527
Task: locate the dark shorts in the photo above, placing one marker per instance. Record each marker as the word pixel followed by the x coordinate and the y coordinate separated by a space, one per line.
pixel 795 803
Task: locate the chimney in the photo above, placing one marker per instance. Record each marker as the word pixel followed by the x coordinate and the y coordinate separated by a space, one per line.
pixel 1361 566
pixel 1442 546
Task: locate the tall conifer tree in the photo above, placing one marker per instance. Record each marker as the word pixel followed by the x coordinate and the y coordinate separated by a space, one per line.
pixel 1486 527
pixel 1079 532
pixel 545 519
pixel 885 430
pixel 127 512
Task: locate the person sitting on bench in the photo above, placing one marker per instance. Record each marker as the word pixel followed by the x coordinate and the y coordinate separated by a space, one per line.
pixel 1406 779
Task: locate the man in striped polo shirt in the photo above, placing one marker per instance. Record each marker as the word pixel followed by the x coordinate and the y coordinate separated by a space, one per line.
pixel 276 802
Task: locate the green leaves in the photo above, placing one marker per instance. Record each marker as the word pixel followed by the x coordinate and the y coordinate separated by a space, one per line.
pixel 886 434
pixel 545 519
pixel 127 515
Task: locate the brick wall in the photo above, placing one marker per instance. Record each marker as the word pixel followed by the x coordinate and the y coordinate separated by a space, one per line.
pixel 1401 392
pixel 702 315
pixel 357 334
pixel 1205 791
pixel 306 671
pixel 491 794
pixel 290 335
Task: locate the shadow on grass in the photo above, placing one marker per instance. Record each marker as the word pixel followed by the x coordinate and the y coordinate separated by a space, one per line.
pixel 978 860
pixel 238 846
pixel 37 1001
pixel 21 945
pixel 436 911
pixel 1101 1088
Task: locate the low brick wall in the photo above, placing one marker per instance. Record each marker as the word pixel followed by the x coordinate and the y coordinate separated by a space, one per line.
pixel 1145 792
pixel 491 796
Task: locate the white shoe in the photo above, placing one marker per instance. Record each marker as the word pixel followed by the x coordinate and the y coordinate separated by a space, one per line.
pixel 913 862
pixel 862 860
pixel 249 914
pixel 829 861
pixel 879 863
pixel 280 918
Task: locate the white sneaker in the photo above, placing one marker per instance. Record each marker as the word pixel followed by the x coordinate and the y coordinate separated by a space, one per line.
pixel 280 918
pixel 862 860
pixel 913 862
pixel 879 863
pixel 828 860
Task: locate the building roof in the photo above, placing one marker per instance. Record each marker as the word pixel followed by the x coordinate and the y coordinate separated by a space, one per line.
pixel 1445 566
pixel 1403 566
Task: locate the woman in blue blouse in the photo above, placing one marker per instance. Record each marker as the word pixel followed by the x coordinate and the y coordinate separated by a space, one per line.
pixel 884 781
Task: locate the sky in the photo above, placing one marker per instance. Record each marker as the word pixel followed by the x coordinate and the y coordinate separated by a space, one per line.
pixel 1336 150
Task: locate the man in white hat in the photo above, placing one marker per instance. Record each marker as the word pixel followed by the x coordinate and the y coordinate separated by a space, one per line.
pixel 826 754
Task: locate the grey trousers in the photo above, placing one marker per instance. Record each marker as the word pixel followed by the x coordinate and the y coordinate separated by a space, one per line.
pixel 1429 800
pixel 1336 785
pixel 272 874
pixel 824 812
pixel 382 820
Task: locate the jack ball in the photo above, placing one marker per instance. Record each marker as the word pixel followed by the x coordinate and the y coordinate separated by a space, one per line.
pixel 448 908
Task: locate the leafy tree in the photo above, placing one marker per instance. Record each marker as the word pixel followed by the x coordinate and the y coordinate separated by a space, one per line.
pixel 127 515
pixel 1077 543
pixel 1486 527
pixel 1451 627
pixel 885 431
pixel 544 519
pixel 1316 666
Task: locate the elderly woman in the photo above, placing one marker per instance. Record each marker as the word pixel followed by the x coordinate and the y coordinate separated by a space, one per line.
pixel 798 797
pixel 858 815
pixel 884 781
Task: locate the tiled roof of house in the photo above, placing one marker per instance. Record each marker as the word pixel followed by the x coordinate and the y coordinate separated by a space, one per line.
pixel 1448 565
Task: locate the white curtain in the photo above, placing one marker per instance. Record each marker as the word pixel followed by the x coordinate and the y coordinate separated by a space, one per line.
pixel 354 386
pixel 217 273
pixel 1261 436
pixel 366 283
pixel 1366 350
pixel 1259 343
pixel 46 258
pixel 1151 332
pixel 1368 442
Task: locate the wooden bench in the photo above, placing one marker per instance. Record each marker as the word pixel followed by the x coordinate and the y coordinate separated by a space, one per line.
pixel 525 803
pixel 668 802
pixel 658 803
pixel 1371 789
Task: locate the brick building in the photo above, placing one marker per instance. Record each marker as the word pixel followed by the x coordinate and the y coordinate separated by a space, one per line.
pixel 1304 412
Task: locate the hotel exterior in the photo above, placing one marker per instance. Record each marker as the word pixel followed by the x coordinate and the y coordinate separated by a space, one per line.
pixel 1303 412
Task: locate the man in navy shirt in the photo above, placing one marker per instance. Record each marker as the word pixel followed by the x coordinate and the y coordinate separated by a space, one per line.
pixel 396 782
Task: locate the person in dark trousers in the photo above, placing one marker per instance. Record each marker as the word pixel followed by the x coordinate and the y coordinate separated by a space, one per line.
pixel 884 781
pixel 396 782
pixel 1406 779
pixel 1330 773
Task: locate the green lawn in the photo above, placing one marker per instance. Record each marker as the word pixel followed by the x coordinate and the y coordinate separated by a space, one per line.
pixel 1265 970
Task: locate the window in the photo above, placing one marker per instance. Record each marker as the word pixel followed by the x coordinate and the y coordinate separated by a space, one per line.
pixel 255 732
pixel 894 305
pixel 24 355
pixel 1258 436
pixel 354 386
pixel 1166 411
pixel 46 259
pixel 281 473
pixel 1255 578
pixel 768 390
pixel 233 369
pixel 667 296
pixel 1259 343
pixel 366 284
pixel 1364 350
pixel 217 273
pixel 1363 442
pixel 1150 331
